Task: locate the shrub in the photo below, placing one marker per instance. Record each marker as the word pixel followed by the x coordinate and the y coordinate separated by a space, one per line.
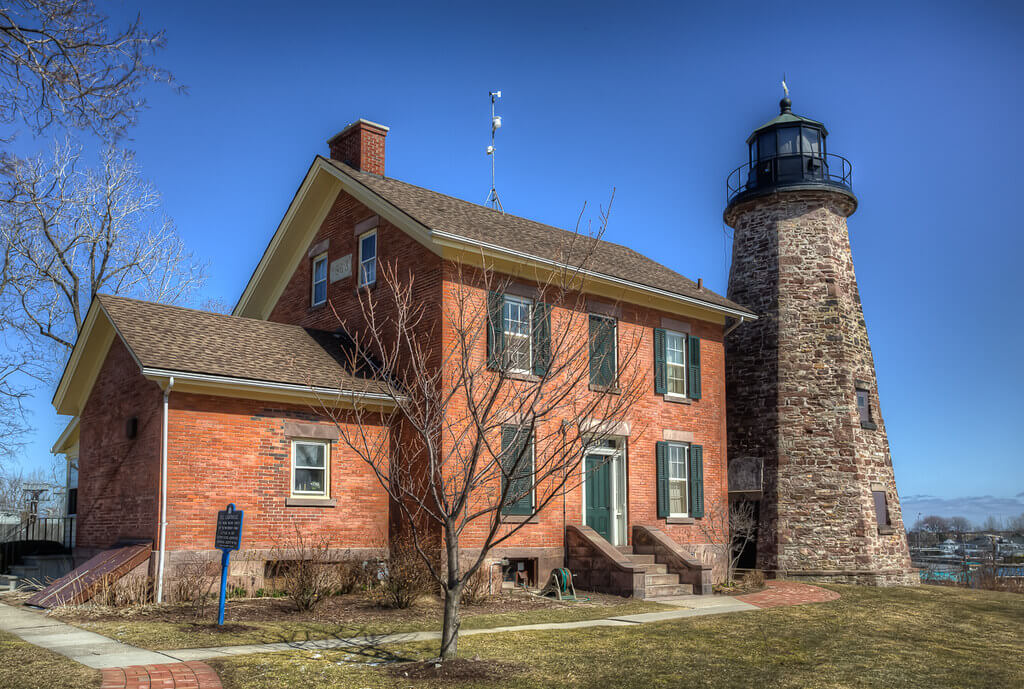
pixel 127 591
pixel 194 581
pixel 752 580
pixel 404 576
pixel 304 570
pixel 475 591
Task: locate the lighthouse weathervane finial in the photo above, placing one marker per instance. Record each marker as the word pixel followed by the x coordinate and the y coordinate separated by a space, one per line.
pixel 784 87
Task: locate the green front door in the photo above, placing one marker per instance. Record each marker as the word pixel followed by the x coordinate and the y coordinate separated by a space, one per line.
pixel 599 494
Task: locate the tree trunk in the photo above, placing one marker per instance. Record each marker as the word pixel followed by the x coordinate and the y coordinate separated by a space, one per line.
pixel 452 600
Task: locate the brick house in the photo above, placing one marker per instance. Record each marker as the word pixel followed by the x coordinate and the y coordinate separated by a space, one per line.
pixel 230 404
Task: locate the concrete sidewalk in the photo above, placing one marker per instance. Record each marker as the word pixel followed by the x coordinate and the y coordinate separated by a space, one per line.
pixel 689 606
pixel 87 648
pixel 99 652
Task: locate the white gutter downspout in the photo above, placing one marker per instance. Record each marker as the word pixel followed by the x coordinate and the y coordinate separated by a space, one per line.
pixel 163 498
pixel 733 327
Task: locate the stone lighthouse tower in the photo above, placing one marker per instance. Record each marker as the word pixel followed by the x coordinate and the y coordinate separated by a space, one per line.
pixel 807 443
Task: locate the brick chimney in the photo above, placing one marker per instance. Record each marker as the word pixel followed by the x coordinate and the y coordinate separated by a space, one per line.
pixel 360 145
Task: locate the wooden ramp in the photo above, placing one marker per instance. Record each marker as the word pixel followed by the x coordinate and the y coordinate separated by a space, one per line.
pixel 82 583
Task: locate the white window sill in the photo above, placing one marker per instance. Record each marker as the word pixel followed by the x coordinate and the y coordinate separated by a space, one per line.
pixel 677 398
pixel 310 501
pixel 678 519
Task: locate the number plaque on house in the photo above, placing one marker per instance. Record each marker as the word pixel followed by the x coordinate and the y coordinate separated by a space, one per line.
pixel 227 538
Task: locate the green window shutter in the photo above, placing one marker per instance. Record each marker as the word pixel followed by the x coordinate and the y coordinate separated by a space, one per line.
pixel 661 454
pixel 696 481
pixel 516 480
pixel 541 338
pixel 660 369
pixel 495 334
pixel 693 370
pixel 602 351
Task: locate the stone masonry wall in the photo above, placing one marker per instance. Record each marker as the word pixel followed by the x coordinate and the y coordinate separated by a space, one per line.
pixel 792 380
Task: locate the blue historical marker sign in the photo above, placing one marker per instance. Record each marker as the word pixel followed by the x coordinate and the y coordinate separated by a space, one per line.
pixel 227 538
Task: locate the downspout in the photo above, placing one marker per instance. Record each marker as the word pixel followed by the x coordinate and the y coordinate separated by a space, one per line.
pixel 732 327
pixel 163 498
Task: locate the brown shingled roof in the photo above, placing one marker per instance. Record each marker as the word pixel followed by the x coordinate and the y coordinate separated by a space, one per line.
pixel 179 339
pixel 468 220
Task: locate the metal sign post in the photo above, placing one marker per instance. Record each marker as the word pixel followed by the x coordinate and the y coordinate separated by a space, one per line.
pixel 228 538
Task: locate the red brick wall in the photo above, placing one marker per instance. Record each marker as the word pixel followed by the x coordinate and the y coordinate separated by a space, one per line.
pixel 362 147
pixel 394 247
pixel 648 418
pixel 119 477
pixel 224 450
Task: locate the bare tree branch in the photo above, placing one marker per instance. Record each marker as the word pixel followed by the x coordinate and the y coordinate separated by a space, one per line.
pixel 62 65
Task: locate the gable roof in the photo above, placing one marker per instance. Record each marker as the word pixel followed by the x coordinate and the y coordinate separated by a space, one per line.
pixel 211 348
pixel 442 213
pixel 442 223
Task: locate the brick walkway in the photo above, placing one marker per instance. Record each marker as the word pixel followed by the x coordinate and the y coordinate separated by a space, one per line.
pixel 193 675
pixel 781 593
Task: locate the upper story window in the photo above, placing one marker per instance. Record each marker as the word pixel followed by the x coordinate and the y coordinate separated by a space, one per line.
pixel 518 334
pixel 675 363
pixel 517 329
pixel 368 258
pixel 603 351
pixel 310 472
pixel 319 287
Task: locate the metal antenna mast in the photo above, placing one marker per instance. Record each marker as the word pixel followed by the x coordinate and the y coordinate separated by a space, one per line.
pixel 492 195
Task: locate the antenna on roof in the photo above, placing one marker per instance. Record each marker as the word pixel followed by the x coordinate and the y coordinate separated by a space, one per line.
pixel 492 195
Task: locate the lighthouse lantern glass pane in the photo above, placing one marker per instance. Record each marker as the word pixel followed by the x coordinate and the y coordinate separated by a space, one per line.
pixel 787 141
pixel 766 145
pixel 811 141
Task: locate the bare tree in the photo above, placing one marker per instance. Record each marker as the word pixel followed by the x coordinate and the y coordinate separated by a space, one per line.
pixel 959 525
pixel 479 425
pixel 68 232
pixel 727 528
pixel 61 64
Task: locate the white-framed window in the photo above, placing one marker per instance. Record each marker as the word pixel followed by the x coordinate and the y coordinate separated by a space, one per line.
pixel 368 258
pixel 311 468
pixel 677 495
pixel 319 286
pixel 517 329
pixel 675 363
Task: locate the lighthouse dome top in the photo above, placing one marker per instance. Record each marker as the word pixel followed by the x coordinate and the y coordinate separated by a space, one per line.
pixel 789 153
pixel 787 118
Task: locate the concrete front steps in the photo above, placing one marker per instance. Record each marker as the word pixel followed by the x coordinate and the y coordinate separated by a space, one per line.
pixel 658 582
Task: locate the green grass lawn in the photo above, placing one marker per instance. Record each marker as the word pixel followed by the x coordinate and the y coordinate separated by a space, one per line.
pixel 24 666
pixel 928 637
pixel 161 635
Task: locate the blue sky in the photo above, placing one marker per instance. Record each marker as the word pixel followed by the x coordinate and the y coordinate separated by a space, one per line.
pixel 655 101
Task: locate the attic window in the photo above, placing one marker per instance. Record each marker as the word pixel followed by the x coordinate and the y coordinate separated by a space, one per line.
pixel 319 280
pixel 368 258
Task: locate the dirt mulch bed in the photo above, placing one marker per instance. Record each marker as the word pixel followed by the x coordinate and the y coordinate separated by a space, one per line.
pixel 355 608
pixel 455 670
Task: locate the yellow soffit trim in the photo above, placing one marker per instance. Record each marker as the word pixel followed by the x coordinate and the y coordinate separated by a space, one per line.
pixel 67 441
pixel 242 388
pixel 87 357
pixel 538 270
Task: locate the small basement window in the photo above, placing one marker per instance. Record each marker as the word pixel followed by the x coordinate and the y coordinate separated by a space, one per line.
pixel 319 280
pixel 310 468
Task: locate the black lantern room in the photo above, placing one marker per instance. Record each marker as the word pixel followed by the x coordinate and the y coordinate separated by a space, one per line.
pixel 788 152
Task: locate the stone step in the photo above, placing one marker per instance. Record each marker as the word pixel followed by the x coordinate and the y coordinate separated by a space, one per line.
pixel 660 579
pixel 656 569
pixel 641 559
pixel 667 590
pixel 25 571
pixel 643 549
pixel 625 549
